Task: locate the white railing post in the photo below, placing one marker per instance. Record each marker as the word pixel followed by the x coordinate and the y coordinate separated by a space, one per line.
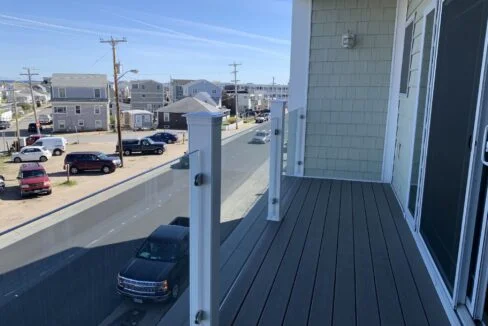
pixel 276 160
pixel 205 145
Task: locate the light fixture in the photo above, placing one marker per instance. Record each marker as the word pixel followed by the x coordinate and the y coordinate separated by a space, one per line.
pixel 348 40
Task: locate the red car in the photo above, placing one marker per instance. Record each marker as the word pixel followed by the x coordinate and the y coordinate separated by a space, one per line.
pixel 33 180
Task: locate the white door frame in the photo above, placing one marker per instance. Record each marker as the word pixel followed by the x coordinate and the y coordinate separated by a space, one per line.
pixel 414 220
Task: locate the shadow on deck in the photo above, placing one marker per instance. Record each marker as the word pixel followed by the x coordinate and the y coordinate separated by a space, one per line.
pixel 343 255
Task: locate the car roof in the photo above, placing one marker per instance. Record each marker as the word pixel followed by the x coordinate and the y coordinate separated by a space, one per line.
pixel 169 232
pixel 78 153
pixel 31 167
pixel 32 146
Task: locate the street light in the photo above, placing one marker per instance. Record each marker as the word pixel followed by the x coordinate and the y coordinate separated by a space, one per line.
pixel 134 71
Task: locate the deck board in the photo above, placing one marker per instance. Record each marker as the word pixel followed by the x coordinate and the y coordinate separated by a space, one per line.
pixel 343 255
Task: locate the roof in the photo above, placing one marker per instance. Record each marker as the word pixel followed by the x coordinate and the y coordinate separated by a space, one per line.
pixel 140 81
pixel 31 167
pixel 169 232
pixel 137 112
pixel 205 97
pixel 187 105
pixel 181 82
pixel 199 81
pixel 78 153
pixel 79 80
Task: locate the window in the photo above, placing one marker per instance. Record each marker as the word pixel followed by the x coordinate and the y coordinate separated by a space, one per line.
pixel 77 109
pixel 158 87
pixel 143 95
pixel 60 109
pixel 97 109
pixel 81 123
pixel 98 93
pixel 61 125
pixel 143 86
pixel 407 52
pixel 135 86
pixel 214 91
pixel 98 124
pixel 62 92
pixel 166 116
pixel 194 91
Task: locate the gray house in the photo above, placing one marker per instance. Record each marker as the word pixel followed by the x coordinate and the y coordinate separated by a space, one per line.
pixel 197 86
pixel 80 102
pixel 176 86
pixel 146 95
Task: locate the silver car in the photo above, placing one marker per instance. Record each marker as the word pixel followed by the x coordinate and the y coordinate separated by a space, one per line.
pixel 261 137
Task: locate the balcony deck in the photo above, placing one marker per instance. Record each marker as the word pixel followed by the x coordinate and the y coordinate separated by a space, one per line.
pixel 343 255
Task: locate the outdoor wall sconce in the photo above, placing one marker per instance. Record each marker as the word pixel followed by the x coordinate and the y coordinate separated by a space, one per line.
pixel 348 40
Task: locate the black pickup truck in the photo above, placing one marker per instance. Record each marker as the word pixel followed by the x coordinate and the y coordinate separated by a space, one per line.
pixel 159 266
pixel 144 146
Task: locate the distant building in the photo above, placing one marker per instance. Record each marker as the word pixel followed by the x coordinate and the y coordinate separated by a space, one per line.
pixel 146 95
pixel 80 102
pixel 261 95
pixel 177 88
pixel 197 86
pixel 172 116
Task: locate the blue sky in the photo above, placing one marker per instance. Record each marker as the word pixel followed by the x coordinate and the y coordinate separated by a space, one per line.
pixel 182 38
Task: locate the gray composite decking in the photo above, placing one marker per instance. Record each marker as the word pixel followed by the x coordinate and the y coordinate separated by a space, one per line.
pixel 343 255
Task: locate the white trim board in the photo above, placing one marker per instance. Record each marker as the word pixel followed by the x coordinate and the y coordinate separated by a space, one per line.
pixel 299 71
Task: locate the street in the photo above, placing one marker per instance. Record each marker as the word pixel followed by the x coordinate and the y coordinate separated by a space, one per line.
pixel 65 274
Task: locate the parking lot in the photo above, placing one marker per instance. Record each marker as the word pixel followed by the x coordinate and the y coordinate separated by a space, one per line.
pixel 14 210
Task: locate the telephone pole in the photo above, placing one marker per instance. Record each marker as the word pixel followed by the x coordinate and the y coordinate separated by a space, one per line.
pixel 113 43
pixel 235 65
pixel 30 74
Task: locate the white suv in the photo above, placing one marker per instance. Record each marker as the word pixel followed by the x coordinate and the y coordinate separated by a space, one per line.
pixel 32 153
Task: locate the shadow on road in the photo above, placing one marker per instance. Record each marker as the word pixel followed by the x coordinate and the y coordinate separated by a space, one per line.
pixel 77 287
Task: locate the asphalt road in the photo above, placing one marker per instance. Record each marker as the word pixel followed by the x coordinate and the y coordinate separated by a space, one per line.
pixel 65 274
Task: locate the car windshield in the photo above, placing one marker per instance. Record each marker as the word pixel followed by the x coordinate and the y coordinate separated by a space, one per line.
pixel 149 140
pixel 159 251
pixel 261 134
pixel 103 156
pixel 33 174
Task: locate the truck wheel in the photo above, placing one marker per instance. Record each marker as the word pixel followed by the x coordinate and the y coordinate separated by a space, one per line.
pixel 17 160
pixel 43 159
pixel 106 169
pixel 175 291
pixel 159 151
pixel 73 170
pixel 127 152
pixel 57 152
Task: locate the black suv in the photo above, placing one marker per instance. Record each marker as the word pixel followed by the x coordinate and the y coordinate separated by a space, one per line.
pixel 90 161
pixel 4 125
pixel 143 146
pixel 32 127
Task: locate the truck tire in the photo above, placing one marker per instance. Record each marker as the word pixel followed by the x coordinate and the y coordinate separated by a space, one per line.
pixel 57 152
pixel 159 151
pixel 127 152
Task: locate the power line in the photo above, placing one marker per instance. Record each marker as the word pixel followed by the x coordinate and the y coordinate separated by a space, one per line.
pixel 30 74
pixel 235 65
pixel 113 43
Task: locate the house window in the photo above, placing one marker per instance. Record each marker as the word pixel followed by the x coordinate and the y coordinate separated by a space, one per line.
pixel 143 95
pixel 158 87
pixel 61 124
pixel 81 123
pixel 143 86
pixel 166 116
pixel 62 92
pixel 60 109
pixel 98 92
pixel 78 109
pixel 407 56
pixel 97 109
pixel 214 91
pixel 98 124
pixel 194 91
pixel 135 86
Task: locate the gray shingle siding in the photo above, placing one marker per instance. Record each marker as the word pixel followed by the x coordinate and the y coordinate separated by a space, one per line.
pixel 149 98
pixel 79 93
pixel 71 119
pixel 348 88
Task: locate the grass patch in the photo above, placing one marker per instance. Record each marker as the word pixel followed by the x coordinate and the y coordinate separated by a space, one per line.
pixel 67 183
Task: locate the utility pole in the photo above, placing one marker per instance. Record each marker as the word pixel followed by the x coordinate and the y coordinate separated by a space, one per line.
pixel 17 130
pixel 30 74
pixel 235 90
pixel 113 43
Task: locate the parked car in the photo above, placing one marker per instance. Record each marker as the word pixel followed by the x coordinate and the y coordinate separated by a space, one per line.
pixel 45 119
pixel 32 153
pixel 33 179
pixel 90 161
pixel 159 266
pixel 32 127
pixel 262 118
pixel 164 137
pixel 4 125
pixel 57 145
pixel 2 183
pixel 261 137
pixel 144 146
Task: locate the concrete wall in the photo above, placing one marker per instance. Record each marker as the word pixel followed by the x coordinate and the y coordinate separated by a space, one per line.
pixel 87 114
pixel 348 88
